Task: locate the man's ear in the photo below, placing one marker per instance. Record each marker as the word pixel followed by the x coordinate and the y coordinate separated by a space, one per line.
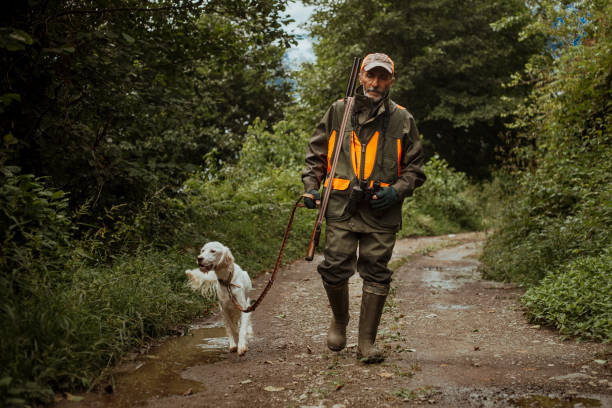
pixel 361 73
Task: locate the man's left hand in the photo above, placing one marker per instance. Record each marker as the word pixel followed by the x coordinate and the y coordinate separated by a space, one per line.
pixel 384 198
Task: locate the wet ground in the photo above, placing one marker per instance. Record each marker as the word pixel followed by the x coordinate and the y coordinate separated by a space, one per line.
pixel 451 339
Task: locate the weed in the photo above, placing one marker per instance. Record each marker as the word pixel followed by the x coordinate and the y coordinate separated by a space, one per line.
pixel 576 298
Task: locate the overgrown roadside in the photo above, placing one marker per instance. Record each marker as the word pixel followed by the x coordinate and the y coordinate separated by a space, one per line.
pixel 452 340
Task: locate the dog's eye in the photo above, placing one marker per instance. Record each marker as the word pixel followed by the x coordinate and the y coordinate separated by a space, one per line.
pixel 213 251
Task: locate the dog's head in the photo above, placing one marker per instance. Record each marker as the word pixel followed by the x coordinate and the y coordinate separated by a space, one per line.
pixel 215 255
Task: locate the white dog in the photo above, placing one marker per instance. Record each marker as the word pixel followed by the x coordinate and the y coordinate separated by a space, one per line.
pixel 216 271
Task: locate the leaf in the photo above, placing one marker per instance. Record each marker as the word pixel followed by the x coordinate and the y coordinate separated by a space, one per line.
pixel 271 388
pixel 9 139
pixel 128 38
pixel 247 381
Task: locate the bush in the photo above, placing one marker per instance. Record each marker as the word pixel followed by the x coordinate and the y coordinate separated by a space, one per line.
pixel 561 212
pixel 576 298
pixel 444 204
pixel 65 333
pixel 247 206
pixel 66 315
pixel 558 224
pixel 35 229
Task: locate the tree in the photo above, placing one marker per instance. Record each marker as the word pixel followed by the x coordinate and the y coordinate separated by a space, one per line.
pixel 451 66
pixel 113 99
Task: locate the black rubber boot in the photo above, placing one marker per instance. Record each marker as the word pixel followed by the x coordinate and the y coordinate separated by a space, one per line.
pixel 338 300
pixel 372 304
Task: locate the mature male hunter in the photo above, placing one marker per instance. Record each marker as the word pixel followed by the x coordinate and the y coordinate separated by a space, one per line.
pixel 380 164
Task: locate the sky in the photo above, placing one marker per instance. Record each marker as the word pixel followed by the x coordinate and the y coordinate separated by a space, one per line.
pixel 303 51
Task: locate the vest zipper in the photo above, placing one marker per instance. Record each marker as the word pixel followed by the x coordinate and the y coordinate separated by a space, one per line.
pixel 362 167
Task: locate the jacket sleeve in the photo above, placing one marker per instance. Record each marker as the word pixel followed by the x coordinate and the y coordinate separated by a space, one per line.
pixel 316 155
pixel 411 161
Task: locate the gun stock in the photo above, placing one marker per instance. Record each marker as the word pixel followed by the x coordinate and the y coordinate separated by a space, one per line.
pixel 348 107
pixel 314 242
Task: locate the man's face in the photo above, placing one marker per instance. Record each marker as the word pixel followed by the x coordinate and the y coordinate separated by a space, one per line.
pixel 376 82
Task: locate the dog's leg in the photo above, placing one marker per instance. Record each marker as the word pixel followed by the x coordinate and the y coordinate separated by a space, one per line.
pixel 231 330
pixel 245 332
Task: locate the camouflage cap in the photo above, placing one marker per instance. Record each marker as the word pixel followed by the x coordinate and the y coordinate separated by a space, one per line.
pixel 378 60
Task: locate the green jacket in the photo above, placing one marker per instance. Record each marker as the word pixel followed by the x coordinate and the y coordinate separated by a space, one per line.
pixel 394 158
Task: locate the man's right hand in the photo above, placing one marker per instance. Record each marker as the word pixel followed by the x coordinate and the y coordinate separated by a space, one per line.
pixel 313 202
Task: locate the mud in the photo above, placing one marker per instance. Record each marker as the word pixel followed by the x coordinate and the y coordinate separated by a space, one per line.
pixel 451 339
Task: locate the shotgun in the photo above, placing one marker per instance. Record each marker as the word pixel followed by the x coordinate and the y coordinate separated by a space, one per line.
pixel 348 107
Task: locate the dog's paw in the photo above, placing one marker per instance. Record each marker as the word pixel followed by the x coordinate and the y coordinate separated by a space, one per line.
pixel 242 350
pixel 233 349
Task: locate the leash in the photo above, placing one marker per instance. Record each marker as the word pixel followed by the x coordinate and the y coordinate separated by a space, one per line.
pixel 228 285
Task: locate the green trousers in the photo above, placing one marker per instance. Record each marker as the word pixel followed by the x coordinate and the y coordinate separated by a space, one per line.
pixel 348 246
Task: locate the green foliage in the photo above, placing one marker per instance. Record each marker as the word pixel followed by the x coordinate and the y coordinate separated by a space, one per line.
pixel 558 224
pixel 444 204
pixel 65 333
pixel 114 99
pixel 451 66
pixel 576 298
pixel 34 231
pixel 62 319
pixel 247 206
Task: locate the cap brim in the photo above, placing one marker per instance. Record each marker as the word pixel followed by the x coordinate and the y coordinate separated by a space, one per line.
pixel 378 64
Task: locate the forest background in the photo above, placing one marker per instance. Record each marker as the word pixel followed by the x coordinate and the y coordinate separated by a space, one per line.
pixel 133 131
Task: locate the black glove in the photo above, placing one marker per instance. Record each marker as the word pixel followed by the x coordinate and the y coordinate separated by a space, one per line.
pixel 310 202
pixel 385 198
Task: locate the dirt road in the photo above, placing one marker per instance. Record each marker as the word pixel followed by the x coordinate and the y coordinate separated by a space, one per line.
pixel 452 340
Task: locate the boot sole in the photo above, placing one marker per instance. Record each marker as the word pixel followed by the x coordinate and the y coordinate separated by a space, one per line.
pixel 336 348
pixel 377 358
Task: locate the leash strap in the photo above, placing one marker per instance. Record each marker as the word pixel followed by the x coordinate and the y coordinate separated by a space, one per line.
pixel 276 266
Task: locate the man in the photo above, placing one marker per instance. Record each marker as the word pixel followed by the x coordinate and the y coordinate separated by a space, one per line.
pixel 380 164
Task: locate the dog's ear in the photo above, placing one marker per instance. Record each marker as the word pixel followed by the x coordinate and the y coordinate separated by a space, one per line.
pixel 227 260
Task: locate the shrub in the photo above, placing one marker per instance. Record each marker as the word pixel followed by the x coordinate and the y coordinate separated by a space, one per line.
pixel 576 298
pixel 444 204
pixel 558 224
pixel 65 333
pixel 247 206
pixel 64 314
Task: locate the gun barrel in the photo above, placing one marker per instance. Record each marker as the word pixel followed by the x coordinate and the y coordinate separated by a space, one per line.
pixel 348 106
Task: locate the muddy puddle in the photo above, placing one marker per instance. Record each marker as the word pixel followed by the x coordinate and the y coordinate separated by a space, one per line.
pixel 159 373
pixel 450 279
